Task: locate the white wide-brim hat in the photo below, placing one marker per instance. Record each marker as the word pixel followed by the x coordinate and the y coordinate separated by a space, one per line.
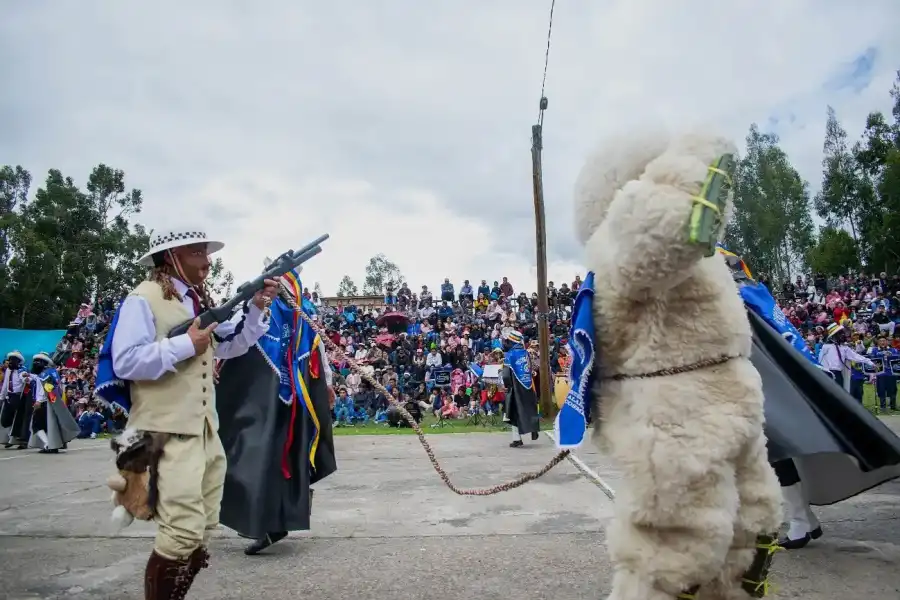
pixel 42 356
pixel 16 354
pixel 166 239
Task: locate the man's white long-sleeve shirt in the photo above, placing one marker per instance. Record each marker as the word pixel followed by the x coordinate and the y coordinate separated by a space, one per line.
pixel 18 382
pixel 832 357
pixel 137 356
pixel 434 359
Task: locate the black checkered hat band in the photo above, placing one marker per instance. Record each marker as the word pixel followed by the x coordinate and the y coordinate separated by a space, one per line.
pixel 177 236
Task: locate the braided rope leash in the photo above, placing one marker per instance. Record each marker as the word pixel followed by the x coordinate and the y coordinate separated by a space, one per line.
pixel 489 491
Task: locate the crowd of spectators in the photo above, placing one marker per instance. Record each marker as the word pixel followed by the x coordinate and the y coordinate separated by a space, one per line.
pixel 446 332
pixel 867 306
pixel 429 363
pixel 76 360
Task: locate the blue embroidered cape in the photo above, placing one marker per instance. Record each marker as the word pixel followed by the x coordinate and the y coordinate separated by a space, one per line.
pixel 572 420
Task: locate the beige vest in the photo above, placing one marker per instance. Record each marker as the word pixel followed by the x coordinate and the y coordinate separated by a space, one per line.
pixel 180 402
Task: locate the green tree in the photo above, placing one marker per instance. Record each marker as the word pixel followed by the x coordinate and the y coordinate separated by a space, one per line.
pixel 65 246
pixel 876 156
pixel 117 241
pixel 379 271
pixel 771 226
pixel 834 254
pixel 842 199
pixel 14 186
pixel 219 281
pixel 53 244
pixel 347 288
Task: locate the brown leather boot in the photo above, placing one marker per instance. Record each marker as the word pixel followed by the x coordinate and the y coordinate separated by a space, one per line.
pixel 167 579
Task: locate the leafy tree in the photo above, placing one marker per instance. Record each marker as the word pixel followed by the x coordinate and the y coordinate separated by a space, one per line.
pixel 834 253
pixel 117 240
pixel 14 186
pixel 841 202
pixel 379 271
pixel 771 225
pixel 347 288
pixel 65 246
pixel 876 156
pixel 53 247
pixel 219 281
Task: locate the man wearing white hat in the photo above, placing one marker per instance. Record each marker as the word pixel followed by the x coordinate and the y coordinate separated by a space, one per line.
pixel 836 354
pixel 521 397
pixel 15 415
pixel 52 425
pixel 170 391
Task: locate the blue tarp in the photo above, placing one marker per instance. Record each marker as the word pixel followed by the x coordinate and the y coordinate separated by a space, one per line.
pixel 29 342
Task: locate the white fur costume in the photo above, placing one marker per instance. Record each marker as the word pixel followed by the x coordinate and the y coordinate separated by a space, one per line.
pixel 697 488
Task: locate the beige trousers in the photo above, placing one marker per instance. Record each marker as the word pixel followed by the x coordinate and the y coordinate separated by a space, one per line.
pixel 191 478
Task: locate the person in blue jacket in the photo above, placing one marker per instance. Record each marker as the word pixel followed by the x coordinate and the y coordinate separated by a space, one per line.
pixel 885 381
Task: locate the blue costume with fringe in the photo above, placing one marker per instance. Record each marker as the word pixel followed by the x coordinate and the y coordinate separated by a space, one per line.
pixel 275 425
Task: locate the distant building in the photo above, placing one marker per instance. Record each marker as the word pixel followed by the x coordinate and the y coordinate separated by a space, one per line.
pixel 375 301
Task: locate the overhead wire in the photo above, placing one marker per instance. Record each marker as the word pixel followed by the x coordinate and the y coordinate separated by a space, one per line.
pixel 543 104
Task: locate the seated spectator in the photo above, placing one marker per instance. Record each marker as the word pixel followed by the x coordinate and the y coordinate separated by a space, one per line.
pixel 344 411
pixel 449 409
pixel 883 321
pixel 90 423
pixel 466 292
pixel 447 294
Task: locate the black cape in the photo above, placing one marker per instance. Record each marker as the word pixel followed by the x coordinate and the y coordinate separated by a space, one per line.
pixel 839 448
pixel 521 404
pixel 253 426
pixel 16 415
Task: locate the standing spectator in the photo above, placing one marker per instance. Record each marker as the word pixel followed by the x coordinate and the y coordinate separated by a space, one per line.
pixel 506 288
pixel 885 380
pixel 447 293
pixel 576 285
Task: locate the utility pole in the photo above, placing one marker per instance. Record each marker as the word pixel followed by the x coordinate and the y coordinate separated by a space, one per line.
pixel 548 405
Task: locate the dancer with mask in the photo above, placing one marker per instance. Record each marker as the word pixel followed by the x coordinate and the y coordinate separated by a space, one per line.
pixel 841 450
pixel 275 423
pixel 15 410
pixel 52 425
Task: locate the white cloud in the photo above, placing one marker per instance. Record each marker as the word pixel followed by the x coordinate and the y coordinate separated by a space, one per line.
pixel 404 127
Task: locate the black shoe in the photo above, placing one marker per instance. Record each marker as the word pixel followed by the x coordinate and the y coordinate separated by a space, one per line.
pixel 816 533
pixel 789 544
pixel 22 447
pixel 260 545
pixel 48 451
pixel 7 446
pixel 535 435
pixel 516 444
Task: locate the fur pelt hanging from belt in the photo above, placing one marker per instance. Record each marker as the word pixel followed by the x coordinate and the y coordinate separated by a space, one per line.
pixel 135 490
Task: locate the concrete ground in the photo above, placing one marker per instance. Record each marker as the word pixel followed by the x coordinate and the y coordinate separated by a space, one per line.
pixel 385 526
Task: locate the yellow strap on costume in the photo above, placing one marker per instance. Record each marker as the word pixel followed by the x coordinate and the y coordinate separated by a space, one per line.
pixel 307 400
pixel 705 190
pixel 765 587
pixel 709 204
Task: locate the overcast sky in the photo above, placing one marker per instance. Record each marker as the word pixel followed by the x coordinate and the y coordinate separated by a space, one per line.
pixel 403 126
